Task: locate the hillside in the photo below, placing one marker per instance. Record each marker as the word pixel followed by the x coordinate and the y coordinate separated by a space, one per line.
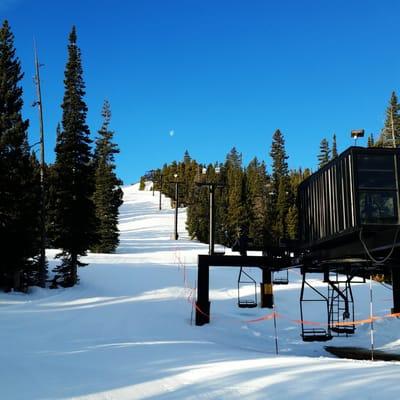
pixel 125 331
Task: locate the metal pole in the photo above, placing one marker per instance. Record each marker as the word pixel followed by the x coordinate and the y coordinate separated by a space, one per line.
pixel 176 209
pixel 276 332
pixel 212 221
pixel 43 269
pixel 396 288
pixel 161 182
pixel 203 297
pixel 371 316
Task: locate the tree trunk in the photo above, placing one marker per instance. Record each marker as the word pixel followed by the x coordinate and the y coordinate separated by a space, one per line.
pixel 74 269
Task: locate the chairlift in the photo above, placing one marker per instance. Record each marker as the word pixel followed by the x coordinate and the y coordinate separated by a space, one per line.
pixel 281 277
pixel 313 334
pixel 245 279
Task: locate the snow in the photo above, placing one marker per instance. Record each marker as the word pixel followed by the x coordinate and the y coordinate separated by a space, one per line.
pixel 125 331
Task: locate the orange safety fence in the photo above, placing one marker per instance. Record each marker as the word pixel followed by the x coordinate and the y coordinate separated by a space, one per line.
pixel 190 297
pixel 263 318
pixel 314 323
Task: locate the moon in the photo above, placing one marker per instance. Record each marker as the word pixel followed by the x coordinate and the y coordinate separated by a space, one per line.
pixel 171 132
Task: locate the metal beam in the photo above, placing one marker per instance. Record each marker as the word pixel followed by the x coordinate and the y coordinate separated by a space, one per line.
pixel 396 288
pixel 203 288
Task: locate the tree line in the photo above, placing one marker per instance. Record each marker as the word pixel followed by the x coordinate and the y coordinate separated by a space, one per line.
pixel 252 201
pixel 81 190
pixel 249 201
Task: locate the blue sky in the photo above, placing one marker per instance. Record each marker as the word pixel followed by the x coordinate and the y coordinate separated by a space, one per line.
pixel 219 73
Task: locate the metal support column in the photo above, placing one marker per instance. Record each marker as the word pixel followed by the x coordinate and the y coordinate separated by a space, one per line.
pixel 212 221
pixel 267 296
pixel 396 288
pixel 176 209
pixel 203 302
pixel 160 188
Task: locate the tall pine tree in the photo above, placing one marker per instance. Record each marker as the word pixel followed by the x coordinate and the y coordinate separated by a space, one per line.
pixel 108 194
pixel 257 203
pixel 74 221
pixel 235 215
pixel 324 152
pixel 371 140
pixel 280 200
pixel 19 181
pixel 390 134
pixel 334 147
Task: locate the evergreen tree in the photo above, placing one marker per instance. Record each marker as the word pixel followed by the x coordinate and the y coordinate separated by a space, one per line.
pixel 142 184
pixel 186 158
pixel 371 140
pixel 257 203
pixel 334 147
pixel 235 216
pixel 324 151
pixel 198 210
pixel 74 220
pixel 390 134
pixel 292 222
pixel 19 181
pixel 279 159
pixel 279 200
pixel 108 194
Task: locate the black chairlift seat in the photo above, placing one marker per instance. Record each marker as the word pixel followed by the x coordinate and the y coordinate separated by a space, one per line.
pixel 315 335
pixel 281 280
pixel 343 330
pixel 245 279
pixel 246 304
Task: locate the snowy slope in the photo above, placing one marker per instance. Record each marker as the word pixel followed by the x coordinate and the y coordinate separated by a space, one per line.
pixel 125 331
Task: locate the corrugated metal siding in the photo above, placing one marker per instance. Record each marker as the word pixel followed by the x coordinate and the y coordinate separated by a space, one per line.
pixel 327 201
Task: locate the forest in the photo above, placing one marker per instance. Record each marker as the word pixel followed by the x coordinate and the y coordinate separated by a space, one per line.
pixel 71 204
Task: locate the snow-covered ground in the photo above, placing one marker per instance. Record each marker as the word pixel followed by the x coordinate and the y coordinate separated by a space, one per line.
pixel 125 331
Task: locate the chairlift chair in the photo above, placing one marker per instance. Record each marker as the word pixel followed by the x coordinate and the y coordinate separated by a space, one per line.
pixel 282 278
pixel 319 334
pixel 245 279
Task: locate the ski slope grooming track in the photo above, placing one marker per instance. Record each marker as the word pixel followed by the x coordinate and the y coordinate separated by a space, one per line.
pixel 125 331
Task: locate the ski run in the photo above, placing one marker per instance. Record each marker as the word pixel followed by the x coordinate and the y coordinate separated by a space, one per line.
pixel 127 330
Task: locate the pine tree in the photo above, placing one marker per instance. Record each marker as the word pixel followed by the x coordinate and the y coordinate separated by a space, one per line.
pixel 235 216
pixel 390 134
pixel 108 194
pixel 292 222
pixel 371 140
pixel 186 158
pixel 257 204
pixel 279 159
pixel 334 147
pixel 74 221
pixel 279 199
pixel 19 184
pixel 142 184
pixel 198 210
pixel 324 151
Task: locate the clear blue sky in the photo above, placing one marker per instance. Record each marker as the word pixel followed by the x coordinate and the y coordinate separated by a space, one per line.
pixel 219 73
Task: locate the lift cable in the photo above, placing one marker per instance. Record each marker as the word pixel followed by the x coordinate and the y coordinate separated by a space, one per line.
pixel 386 286
pixel 371 257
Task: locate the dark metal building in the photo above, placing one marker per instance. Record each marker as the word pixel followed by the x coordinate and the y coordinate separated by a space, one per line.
pixel 351 203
